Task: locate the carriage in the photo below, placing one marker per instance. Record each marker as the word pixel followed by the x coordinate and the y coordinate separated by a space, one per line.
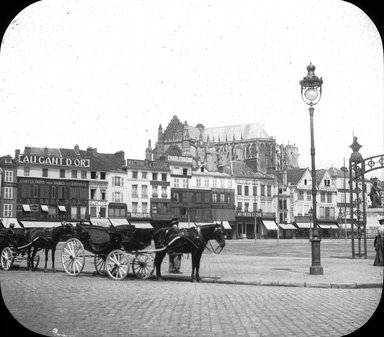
pixel 114 250
pixel 15 246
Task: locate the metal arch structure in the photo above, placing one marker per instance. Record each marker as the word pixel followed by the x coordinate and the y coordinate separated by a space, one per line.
pixel 358 167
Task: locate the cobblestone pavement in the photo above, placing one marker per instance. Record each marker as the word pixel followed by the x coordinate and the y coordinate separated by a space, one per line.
pixel 55 304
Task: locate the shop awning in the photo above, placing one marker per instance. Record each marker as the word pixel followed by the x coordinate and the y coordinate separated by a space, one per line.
pixel 270 225
pixel 287 226
pixel 226 225
pixel 8 221
pixel 118 222
pixel 141 224
pixel 40 224
pixel 26 208
pixel 328 226
pixel 62 208
pixel 44 208
pixel 100 222
pixel 303 224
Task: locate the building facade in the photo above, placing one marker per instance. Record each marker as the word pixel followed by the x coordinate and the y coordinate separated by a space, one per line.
pixel 8 187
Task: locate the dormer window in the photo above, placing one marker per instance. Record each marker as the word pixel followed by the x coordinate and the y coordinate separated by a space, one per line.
pixel 305 182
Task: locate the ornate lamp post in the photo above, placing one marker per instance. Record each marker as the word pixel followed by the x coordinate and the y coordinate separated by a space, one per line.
pixel 311 94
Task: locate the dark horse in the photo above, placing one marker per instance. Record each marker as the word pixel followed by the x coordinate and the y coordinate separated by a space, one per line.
pixel 47 239
pixel 192 240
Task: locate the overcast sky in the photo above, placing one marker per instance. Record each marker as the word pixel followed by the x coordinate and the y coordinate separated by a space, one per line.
pixel 106 75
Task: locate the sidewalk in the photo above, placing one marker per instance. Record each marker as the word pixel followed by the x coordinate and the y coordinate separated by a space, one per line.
pixel 338 272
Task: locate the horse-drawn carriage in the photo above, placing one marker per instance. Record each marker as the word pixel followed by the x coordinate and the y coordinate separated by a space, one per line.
pixel 114 249
pixel 19 242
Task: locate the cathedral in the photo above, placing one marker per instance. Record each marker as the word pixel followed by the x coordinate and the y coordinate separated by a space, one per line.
pixel 217 146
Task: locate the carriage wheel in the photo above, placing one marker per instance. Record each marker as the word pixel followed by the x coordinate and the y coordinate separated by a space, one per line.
pixel 100 264
pixel 73 257
pixel 6 258
pixel 143 265
pixel 117 265
pixel 35 262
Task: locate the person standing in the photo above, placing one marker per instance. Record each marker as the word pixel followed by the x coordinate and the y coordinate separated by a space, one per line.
pixel 379 247
pixel 174 257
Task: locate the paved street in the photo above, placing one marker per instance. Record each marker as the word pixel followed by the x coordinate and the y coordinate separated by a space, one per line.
pixel 333 304
pixel 96 306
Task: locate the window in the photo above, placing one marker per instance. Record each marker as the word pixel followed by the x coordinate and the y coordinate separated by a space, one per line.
pixel 254 190
pixel 134 207
pixel 83 212
pixel 26 171
pixel 327 182
pixel 8 177
pixel 176 182
pixel 8 193
pixel 322 196
pixel 163 191
pixel 62 173
pixel 102 175
pixel 329 197
pixel 144 207
pixel 305 182
pixel 214 197
pixel 93 211
pixel 214 183
pixel 117 181
pixel 74 173
pixel 262 187
pixel 103 212
pixel 246 207
pixel 269 190
pixel 7 210
pixel 93 176
pixel 73 212
pixel 144 191
pixel 163 177
pixel 45 172
pixel 239 189
pixel 103 194
pixel 144 175
pixel 185 183
pixel 175 196
pixel 246 190
pixel 117 197
pixel 134 174
pixel 35 191
pixel 185 172
pixel 83 174
pixel 154 176
pixel 222 183
pixel 229 183
pixel 300 195
pixel 154 191
pixel 44 191
pixel 239 206
pixel 135 193
pixel 309 196
pixel 255 206
pixel 222 198
pixel 93 194
pixel 206 182
pixel 198 182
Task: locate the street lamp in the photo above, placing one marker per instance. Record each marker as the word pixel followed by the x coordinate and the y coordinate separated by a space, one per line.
pixel 311 93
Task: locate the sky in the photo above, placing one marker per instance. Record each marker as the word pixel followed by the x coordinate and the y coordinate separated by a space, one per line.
pixel 83 72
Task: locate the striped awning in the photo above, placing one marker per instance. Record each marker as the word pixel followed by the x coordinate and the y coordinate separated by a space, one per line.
pixel 226 225
pixel 141 224
pixel 62 208
pixel 328 226
pixel 119 222
pixel 44 208
pixel 8 221
pixel 100 222
pixel 269 224
pixel 40 224
pixel 303 224
pixel 26 208
pixel 287 226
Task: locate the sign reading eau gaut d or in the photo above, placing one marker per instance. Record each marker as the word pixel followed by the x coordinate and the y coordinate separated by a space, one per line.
pixel 54 161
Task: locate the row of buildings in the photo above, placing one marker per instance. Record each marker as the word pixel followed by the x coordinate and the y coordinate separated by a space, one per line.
pixel 196 179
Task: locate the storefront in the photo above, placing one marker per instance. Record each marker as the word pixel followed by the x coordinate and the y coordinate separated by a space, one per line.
pixel 329 229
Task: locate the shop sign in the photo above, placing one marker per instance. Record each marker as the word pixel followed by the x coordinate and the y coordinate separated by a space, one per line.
pixel 138 215
pixel 54 161
pixel 248 214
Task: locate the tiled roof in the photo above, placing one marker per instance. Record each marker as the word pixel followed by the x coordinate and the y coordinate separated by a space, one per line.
pixel 335 172
pixel 246 131
pixel 319 176
pixel 98 161
pixel 294 175
pixel 241 169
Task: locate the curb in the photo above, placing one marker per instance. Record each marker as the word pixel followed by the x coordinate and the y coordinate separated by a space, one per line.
pixel 298 284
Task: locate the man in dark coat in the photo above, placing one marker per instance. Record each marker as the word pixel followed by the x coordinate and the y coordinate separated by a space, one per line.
pixel 379 247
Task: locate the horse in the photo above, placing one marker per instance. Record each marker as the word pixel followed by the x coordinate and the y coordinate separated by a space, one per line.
pixel 47 239
pixel 192 240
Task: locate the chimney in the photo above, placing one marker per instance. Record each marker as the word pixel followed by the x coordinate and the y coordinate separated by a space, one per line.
pixel 17 153
pixel 77 149
pixel 120 155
